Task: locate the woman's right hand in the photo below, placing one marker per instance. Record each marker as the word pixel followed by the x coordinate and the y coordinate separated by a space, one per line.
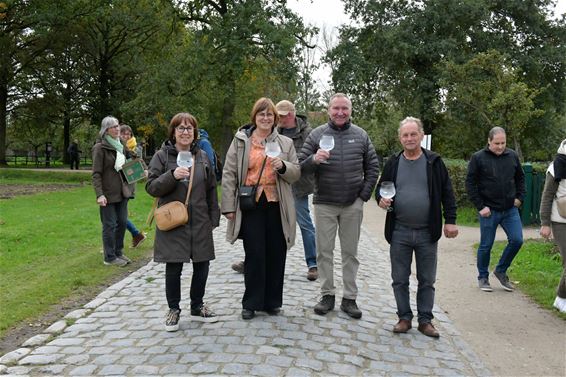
pixel 101 200
pixel 181 173
pixel 230 215
pixel 545 231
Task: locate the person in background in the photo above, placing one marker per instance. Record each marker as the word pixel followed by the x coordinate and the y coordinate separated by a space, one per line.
pixel 205 144
pixel 344 179
pixel 296 127
pixel 128 138
pixel 191 242
pixel 553 215
pixel 423 196
pixel 74 154
pixel 267 231
pixel 496 186
pixel 112 193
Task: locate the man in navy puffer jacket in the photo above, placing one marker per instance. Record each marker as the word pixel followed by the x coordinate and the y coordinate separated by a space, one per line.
pixel 344 179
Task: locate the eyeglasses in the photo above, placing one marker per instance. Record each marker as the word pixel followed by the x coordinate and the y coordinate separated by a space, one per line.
pixel 265 115
pixel 183 129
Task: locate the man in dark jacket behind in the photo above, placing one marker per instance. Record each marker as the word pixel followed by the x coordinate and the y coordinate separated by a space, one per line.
pixel 296 127
pixel 423 195
pixel 496 186
pixel 344 179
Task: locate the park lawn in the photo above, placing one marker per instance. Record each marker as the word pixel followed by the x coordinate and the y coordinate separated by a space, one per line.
pixel 51 250
pixel 24 176
pixel 536 271
pixel 467 216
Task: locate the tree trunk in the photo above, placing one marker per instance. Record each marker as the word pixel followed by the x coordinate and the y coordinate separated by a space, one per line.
pixel 227 123
pixel 517 147
pixel 3 123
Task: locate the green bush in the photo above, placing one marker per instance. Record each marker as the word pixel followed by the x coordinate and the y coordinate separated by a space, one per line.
pixel 457 169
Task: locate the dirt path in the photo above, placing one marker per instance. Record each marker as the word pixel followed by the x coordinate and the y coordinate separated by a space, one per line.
pixel 511 334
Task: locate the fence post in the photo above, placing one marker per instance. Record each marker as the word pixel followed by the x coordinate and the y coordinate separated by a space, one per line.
pixel 526 208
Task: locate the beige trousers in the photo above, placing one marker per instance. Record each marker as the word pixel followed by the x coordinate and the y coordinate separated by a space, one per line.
pixel 347 220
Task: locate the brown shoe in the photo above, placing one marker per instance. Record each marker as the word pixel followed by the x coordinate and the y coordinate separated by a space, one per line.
pixel 428 329
pixel 138 239
pixel 402 326
pixel 312 274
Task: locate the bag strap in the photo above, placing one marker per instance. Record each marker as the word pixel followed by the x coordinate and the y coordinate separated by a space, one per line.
pixel 190 184
pixel 150 216
pixel 261 172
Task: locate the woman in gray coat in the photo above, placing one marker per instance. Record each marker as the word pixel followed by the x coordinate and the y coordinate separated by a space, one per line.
pixel 112 193
pixel 192 241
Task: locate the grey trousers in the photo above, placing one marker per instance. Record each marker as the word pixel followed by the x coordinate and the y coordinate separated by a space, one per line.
pixel 347 220
pixel 559 232
pixel 404 242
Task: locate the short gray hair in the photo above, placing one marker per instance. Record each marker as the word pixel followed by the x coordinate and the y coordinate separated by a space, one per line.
pixel 494 131
pixel 417 121
pixel 107 122
pixel 340 95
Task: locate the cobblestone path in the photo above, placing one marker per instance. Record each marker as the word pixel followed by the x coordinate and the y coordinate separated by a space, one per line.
pixel 121 332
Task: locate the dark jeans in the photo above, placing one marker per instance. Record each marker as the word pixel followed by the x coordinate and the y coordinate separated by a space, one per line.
pixel 510 221
pixel 173 284
pixel 75 162
pixel 404 241
pixel 113 217
pixel 266 251
pixel 559 232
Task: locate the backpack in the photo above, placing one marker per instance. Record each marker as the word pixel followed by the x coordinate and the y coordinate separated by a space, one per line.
pixel 215 161
pixel 217 166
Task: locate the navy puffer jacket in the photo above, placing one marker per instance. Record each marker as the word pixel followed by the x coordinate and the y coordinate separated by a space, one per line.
pixel 352 168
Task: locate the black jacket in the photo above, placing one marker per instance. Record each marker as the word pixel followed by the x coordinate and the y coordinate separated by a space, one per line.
pixel 495 181
pixel 442 200
pixel 352 170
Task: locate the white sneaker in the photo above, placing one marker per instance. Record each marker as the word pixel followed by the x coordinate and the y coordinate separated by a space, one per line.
pixel 560 304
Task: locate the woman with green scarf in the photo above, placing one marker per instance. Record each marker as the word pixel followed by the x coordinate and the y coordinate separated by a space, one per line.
pixel 112 193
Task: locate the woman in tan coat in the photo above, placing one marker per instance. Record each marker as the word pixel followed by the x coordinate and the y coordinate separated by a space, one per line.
pixel 193 241
pixel 267 231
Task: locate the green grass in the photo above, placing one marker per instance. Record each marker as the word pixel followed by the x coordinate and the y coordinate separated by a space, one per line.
pixel 50 246
pixel 18 176
pixel 467 216
pixel 536 269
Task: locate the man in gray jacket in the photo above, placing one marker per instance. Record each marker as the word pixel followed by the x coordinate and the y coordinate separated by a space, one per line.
pixel 296 127
pixel 345 177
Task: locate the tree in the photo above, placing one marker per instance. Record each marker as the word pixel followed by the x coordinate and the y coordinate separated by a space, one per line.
pixel 396 53
pixel 483 93
pixel 232 36
pixel 20 46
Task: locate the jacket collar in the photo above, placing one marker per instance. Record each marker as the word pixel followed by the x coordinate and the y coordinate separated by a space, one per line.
pixel 343 128
pixel 429 155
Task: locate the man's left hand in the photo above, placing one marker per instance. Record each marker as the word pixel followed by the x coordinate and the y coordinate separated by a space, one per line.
pixel 517 203
pixel 450 230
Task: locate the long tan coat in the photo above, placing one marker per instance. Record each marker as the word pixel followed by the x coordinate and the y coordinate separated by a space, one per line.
pixel 192 241
pixel 235 172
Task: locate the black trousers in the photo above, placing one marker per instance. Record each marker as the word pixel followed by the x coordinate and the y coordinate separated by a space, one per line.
pixel 173 284
pixel 266 250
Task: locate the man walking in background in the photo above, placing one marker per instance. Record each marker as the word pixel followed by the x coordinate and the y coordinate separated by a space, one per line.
pixel 74 154
pixel 423 195
pixel 345 176
pixel 496 186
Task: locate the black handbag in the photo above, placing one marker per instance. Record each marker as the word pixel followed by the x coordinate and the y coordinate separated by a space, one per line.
pixel 247 194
